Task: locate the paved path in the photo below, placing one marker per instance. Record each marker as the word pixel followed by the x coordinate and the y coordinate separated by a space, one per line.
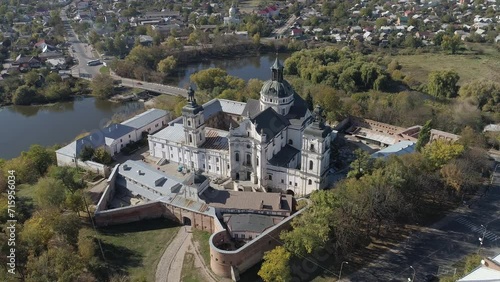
pixel 165 263
pixel 435 249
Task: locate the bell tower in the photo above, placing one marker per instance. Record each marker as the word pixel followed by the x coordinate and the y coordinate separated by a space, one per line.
pixel 193 121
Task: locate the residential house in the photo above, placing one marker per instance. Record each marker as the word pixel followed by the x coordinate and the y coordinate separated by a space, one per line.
pixel 25 62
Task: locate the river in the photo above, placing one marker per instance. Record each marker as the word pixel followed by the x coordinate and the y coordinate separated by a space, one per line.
pixel 21 126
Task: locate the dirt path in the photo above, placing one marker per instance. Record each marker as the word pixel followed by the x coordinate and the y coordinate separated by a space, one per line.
pixel 165 265
pixel 170 266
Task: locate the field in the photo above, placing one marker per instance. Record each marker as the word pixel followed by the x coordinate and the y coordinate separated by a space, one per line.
pixel 134 249
pixel 202 237
pixel 468 66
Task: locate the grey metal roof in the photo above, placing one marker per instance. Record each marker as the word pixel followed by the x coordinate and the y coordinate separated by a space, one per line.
pixel 232 107
pixel 250 222
pixel 173 133
pixel 252 108
pixel 145 118
pixel 299 108
pixel 96 139
pixel 145 175
pixel 284 156
pixel 211 108
pixel 277 64
pixel 278 89
pixel 270 122
pixel 214 106
pixel 400 148
pixel 316 130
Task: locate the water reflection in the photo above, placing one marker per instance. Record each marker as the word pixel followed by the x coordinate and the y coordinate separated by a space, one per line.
pixel 60 123
pixel 243 67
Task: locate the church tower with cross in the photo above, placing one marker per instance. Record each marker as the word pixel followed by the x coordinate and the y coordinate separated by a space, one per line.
pixel 193 121
pixel 277 93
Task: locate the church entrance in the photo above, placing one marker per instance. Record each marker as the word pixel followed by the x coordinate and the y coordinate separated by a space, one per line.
pixel 186 221
pixel 290 192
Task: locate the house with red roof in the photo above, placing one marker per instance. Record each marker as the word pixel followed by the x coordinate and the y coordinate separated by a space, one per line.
pixel 269 11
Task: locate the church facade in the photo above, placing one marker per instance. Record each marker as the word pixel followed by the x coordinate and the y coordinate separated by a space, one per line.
pixel 273 143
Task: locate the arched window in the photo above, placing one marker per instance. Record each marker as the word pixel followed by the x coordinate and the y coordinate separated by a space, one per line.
pixel 311 165
pixel 190 138
pixel 309 182
pixel 189 123
pixel 237 157
pixel 312 147
pixel 249 159
pixel 290 142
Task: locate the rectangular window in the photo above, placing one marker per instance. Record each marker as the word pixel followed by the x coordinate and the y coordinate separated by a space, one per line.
pixel 270 177
pixel 209 167
pixel 217 168
pixel 217 159
pixel 282 181
pixel 203 166
pixel 290 183
pixel 295 183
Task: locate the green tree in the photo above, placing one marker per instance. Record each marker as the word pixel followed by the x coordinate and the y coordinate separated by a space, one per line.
pixel 381 22
pixel 173 43
pixel 485 93
pixel 102 86
pixel 451 43
pixel 363 164
pixel 68 175
pixel 86 153
pixel 275 267
pixel 74 201
pixel 31 78
pixel 193 38
pixel 24 96
pixel 439 152
pixel 424 135
pixel 207 79
pixel 443 84
pixel 50 193
pixel 41 157
pixel 167 65
pixel 102 156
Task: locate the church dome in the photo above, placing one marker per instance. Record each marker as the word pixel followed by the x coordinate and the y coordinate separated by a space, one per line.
pixel 274 88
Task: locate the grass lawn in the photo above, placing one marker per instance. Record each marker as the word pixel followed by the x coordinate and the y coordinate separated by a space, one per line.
pixel 134 249
pixel 201 237
pixel 104 70
pixel 189 272
pixel 468 66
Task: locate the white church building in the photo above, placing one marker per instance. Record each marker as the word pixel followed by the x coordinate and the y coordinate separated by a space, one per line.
pixel 274 143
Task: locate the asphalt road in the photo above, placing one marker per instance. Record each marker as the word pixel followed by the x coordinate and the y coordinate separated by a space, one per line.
pixel 434 250
pixel 83 53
